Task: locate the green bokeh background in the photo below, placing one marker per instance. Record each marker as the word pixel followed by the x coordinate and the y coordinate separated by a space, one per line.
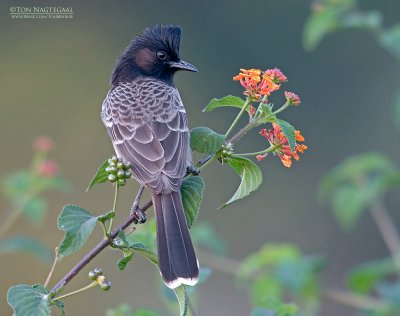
pixel 54 75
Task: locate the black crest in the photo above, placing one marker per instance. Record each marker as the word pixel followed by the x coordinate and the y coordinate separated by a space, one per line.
pixel 140 57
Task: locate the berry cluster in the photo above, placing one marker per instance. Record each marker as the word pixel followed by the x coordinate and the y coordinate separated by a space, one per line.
pixel 225 152
pixel 118 170
pixel 97 275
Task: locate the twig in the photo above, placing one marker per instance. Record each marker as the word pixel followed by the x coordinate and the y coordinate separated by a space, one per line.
pixel 107 241
pixel 96 250
pixel 52 267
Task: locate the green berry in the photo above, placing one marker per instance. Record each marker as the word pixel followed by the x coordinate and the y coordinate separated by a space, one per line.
pixel 112 177
pixel 112 169
pixel 120 165
pixel 111 163
pixel 93 275
pixel 121 174
pixel 127 165
pixel 105 286
pixel 98 271
pixel 114 159
pixel 121 182
pixel 128 174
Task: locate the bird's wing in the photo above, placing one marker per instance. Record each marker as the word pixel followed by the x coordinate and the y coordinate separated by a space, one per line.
pixel 147 124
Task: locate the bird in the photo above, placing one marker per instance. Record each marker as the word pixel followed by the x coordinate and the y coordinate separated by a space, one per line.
pixel 148 126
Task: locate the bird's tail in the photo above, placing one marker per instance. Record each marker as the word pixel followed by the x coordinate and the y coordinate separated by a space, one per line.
pixel 177 259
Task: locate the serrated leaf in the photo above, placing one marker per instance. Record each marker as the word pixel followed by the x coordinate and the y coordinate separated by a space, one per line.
pixel 192 194
pixel 205 141
pixel 26 244
pixel 78 223
pixel 27 300
pixel 100 176
pixel 251 177
pixel 229 100
pixel 128 255
pixel 289 132
pixel 363 278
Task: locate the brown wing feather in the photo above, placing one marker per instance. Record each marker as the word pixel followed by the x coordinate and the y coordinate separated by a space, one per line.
pixel 148 127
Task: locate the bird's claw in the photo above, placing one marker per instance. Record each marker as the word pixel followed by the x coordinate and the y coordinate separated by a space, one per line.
pixel 192 170
pixel 139 217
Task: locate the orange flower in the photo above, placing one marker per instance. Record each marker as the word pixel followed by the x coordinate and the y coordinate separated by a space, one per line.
pixel 256 83
pixel 276 138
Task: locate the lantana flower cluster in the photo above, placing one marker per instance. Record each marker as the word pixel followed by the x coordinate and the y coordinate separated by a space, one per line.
pixel 258 87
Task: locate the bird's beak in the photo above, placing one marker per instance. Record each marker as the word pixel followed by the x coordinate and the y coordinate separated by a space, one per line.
pixel 182 65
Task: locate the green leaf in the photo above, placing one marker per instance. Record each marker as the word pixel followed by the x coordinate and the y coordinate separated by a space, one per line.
pixel 105 217
pixel 205 141
pixel 146 312
pixel 28 300
pixel 78 224
pixel 148 254
pixel 229 100
pixel 192 194
pixel 348 204
pixel 182 300
pixel 100 177
pixel 128 256
pixel 152 257
pixel 329 18
pixel 289 132
pixel 251 177
pixel 35 209
pixel 60 305
pixel 363 278
pixel 390 40
pixel 204 235
pixel 26 244
pixel 356 183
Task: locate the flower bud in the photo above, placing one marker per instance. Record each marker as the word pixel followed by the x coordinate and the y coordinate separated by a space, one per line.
pixel 120 165
pixel 121 182
pixel 128 174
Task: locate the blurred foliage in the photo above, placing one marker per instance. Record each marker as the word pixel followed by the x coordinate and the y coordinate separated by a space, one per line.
pixel 24 190
pixel 329 16
pixel 278 271
pixel 357 184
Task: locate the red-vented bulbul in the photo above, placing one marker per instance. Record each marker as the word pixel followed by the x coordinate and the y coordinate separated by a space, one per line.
pixel 147 123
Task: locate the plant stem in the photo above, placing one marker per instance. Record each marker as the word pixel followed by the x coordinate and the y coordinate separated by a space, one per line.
pixel 386 228
pixel 113 209
pixel 355 300
pixel 282 108
pixel 93 284
pixel 237 117
pixel 52 267
pixel 268 150
pixel 106 242
pixel 96 250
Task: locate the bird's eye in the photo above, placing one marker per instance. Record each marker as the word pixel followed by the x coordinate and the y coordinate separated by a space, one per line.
pixel 162 55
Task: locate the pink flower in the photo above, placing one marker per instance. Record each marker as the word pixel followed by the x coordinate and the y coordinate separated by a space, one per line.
pixel 276 75
pixel 48 168
pixel 292 98
pixel 43 143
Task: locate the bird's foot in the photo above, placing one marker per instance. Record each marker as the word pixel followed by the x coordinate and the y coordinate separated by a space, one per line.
pixel 139 217
pixel 192 170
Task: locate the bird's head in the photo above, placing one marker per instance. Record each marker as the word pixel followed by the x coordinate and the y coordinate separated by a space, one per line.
pixel 154 53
